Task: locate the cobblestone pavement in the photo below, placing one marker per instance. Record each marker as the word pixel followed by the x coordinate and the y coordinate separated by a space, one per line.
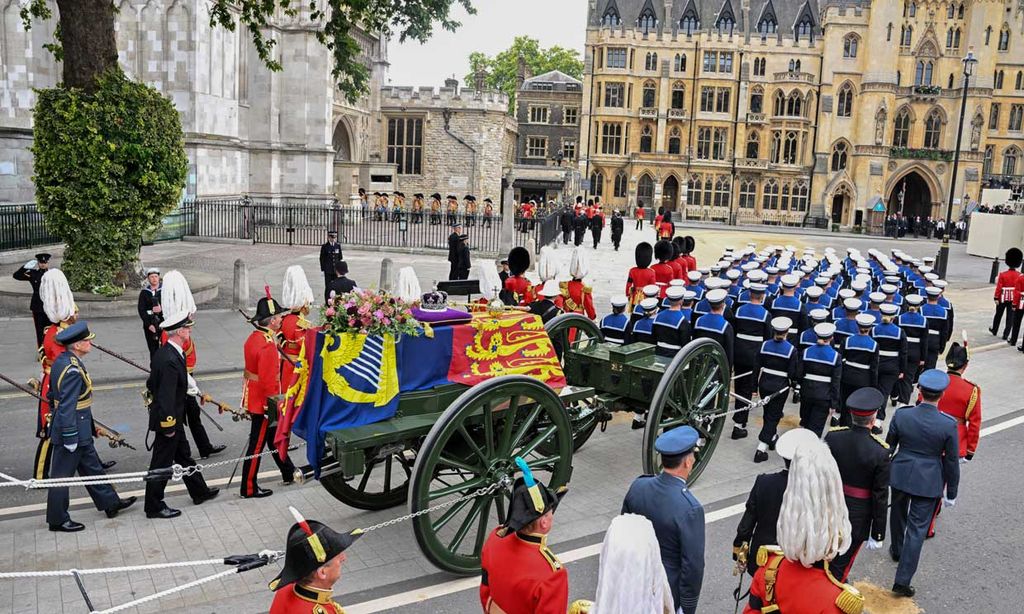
pixel 383 559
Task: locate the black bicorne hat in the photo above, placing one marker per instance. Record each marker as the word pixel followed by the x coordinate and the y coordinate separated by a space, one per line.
pixel 267 307
pixel 518 260
pixel 957 356
pixel 643 254
pixel 1014 257
pixel 530 499
pixel 310 545
pixel 663 250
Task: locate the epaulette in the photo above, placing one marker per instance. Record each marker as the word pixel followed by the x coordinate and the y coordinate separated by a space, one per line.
pixel 850 600
pixel 880 441
pixel 587 289
pixel 764 551
pixel 74 361
pixel 551 558
pixel 835 429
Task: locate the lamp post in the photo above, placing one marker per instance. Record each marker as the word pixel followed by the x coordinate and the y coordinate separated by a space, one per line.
pixel 943 260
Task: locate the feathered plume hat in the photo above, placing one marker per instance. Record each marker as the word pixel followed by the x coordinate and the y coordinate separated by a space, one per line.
pixel 310 545
pixel 408 284
pixel 176 301
pixel 295 291
pixel 58 301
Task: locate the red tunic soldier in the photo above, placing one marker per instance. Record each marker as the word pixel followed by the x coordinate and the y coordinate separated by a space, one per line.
pixel 576 296
pixel 59 307
pixel 1004 292
pixel 781 585
pixel 641 275
pixel 297 296
pixel 519 574
pixel 689 244
pixel 518 290
pixel 663 271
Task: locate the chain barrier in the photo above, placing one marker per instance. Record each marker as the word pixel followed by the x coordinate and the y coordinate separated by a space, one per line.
pixel 504 482
pixel 174 472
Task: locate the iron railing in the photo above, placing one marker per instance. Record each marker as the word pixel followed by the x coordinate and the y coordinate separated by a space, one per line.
pixel 22 226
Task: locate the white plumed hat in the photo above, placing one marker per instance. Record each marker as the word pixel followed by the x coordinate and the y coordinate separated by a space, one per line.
pixel 58 302
pixel 295 291
pixel 408 284
pixel 487 273
pixel 547 264
pixel 579 264
pixel 176 296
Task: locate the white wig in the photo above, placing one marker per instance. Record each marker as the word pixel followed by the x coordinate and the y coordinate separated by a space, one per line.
pixel 408 284
pixel 58 302
pixel 176 296
pixel 487 273
pixel 579 264
pixel 547 264
pixel 295 291
pixel 631 578
pixel 814 524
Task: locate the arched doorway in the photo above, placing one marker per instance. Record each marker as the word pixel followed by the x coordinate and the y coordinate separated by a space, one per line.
pixel 842 200
pixel 645 191
pixel 342 143
pixel 915 194
pixel 670 193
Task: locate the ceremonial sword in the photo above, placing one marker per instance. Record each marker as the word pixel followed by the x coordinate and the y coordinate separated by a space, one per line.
pixel 115 439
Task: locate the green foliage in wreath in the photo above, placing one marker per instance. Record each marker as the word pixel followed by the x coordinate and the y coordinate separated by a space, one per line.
pixel 109 165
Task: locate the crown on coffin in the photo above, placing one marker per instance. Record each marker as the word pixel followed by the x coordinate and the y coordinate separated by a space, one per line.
pixel 435 300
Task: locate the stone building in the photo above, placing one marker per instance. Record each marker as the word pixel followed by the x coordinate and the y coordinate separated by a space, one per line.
pixel 446 140
pixel 548 114
pixel 247 130
pixel 783 111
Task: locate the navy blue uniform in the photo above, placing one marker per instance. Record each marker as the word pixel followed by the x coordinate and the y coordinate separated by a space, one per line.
pixel 641 331
pixel 613 326
pixel 671 332
pixel 938 332
pixel 860 369
pixel 751 326
pixel 789 307
pixel 778 362
pixel 847 327
pixel 678 520
pixel 758 525
pixel 915 326
pixel 892 359
pixel 926 459
pixel 715 326
pixel 819 371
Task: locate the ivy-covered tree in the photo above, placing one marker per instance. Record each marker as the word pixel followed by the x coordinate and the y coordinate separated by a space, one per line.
pixel 502 70
pixel 109 153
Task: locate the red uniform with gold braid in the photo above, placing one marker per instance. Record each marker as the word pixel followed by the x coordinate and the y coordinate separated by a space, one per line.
pixel 962 400
pixel 576 297
pixel 521 288
pixel 521 576
pixel 663 271
pixel 517 285
pixel 298 599
pixel 641 275
pixel 262 375
pixel 293 333
pixel 785 586
pixel 49 352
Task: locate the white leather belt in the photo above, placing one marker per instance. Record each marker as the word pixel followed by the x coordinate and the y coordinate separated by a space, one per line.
pixel 746 337
pixel 888 353
pixel 793 331
pixel 613 340
pixel 913 340
pixel 670 346
pixel 775 372
pixel 933 332
pixel 818 378
pixel 859 365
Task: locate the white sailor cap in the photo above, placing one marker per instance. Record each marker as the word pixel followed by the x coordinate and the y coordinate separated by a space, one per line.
pixel 151 270
pixel 674 293
pixel 620 300
pixel 924 269
pixel 852 304
pixel 933 290
pixel 822 280
pixel 876 297
pixel 889 309
pixel 846 293
pixel 888 289
pixel 858 285
pixel 790 281
pixel 814 292
pixel 757 276
pixel 772 270
pixel 824 330
pixel 693 276
pixel 940 283
pixel 689 295
pixel 914 299
pixel 865 319
pixel 818 315
pixel 781 324
pixel 928 259
pixel 756 288
pixel 732 274
pixel 716 268
pixel 806 269
pixel 716 296
pixel 704 272
pixel 652 290
pixel 677 282
pixel 931 276
pixel 749 266
pixel 649 304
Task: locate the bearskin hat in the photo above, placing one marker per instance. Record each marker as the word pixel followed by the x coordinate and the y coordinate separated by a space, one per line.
pixel 663 250
pixel 689 245
pixel 518 260
pixel 643 254
pixel 1014 257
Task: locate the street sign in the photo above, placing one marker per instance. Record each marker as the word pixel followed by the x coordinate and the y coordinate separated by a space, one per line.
pixel 585 185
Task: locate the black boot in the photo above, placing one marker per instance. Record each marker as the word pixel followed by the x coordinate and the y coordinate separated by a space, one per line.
pixel 739 432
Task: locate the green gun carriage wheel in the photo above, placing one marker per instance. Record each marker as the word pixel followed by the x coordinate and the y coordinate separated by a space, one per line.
pixel 693 391
pixel 582 414
pixel 472 446
pixel 383 484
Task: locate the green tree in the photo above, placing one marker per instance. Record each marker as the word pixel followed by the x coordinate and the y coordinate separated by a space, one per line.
pixel 503 69
pixel 110 155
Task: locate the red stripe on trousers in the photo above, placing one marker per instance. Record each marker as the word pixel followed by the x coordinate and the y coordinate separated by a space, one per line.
pixel 254 463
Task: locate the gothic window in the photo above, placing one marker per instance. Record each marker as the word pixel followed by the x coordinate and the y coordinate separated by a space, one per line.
pixel 997 81
pixel 789 149
pixel 901 129
pixel 770 199
pixel 949 83
pixel 650 95
pixel 1019 81
pixel 620 185
pixel 956 38
pixel 748 194
pixel 839 156
pixel 759 67
pixel 614 94
pixel 680 63
pixel 694 188
pixel 597 184
pixel 725 25
pixel 888 32
pixel 703 143
pixel 913 9
pixel 1004 39
pixel 756 101
pixel 405 144
pixel 988 35
pixel 949 35
pixel 1010 157
pixel 675 140
pixel 651 61
pixel 616 57
pixel 1016 117
pixel 844 108
pixel 753 146
pixel 950 10
pixel 804 30
pixel 645 190
pixel 776 146
pixel 647 20
pixel 768 26
pixel 725 62
pixel 793 104
pixel 723 191
pixel 646 140
pixel 784 203
pixel 960 12
pixel 923 73
pixel 611 17
pixel 993 116
pixel 779 107
pixel 611 138
pixel 718 149
pixel 678 95
pixel 800 193
pixel 906 35
pixel 986 167
pixel 850 46
pixel 689 23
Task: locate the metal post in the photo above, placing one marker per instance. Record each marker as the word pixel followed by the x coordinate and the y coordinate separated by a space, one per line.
pixel 943 259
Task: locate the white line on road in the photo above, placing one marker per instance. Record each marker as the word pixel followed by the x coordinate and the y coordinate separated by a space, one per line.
pixel 426 593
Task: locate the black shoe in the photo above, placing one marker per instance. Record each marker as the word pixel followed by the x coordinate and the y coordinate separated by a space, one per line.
pixel 834 422
pixel 69 526
pixel 738 432
pixel 760 456
pixel 775 440
pixel 211 493
pixel 122 504
pixel 892 555
pixel 992 330
pixel 894 401
pixel 107 464
pixel 167 512
pixel 214 451
pixel 903 590
pixel 259 493
pixel 637 424
pixel 876 430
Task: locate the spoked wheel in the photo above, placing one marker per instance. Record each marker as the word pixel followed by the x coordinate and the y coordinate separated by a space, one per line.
pixel 695 391
pixel 383 484
pixel 572 330
pixel 472 447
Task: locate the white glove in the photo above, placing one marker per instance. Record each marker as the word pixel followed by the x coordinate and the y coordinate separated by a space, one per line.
pixel 873 545
pixel 31 264
pixel 71 447
pixel 948 502
pixel 193 386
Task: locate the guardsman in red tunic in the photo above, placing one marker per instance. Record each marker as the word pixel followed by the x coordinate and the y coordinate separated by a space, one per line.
pixel 641 275
pixel 1004 292
pixel 794 577
pixel 313 557
pixel 261 394
pixel 962 400
pixel 663 271
pixel 519 574
pixel 59 307
pixel 518 290
pixel 576 296
pixel 297 296
pixel 689 244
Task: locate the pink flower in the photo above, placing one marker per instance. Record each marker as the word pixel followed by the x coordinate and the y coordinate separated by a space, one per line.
pixel 351 321
pixel 378 314
pixel 385 321
pixel 330 312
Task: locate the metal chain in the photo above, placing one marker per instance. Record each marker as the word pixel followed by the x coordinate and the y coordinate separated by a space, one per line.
pixel 184 472
pixel 504 482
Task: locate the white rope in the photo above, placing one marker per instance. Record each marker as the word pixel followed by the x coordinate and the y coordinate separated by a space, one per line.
pixel 170 591
pixel 13 575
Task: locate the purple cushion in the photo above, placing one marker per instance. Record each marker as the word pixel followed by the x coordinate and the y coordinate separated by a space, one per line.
pixel 444 316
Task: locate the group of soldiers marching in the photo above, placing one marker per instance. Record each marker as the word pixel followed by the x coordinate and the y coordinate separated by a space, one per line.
pixel 393 207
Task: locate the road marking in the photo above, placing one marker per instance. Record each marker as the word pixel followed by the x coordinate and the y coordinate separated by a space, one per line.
pixel 383 604
pixel 131 386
